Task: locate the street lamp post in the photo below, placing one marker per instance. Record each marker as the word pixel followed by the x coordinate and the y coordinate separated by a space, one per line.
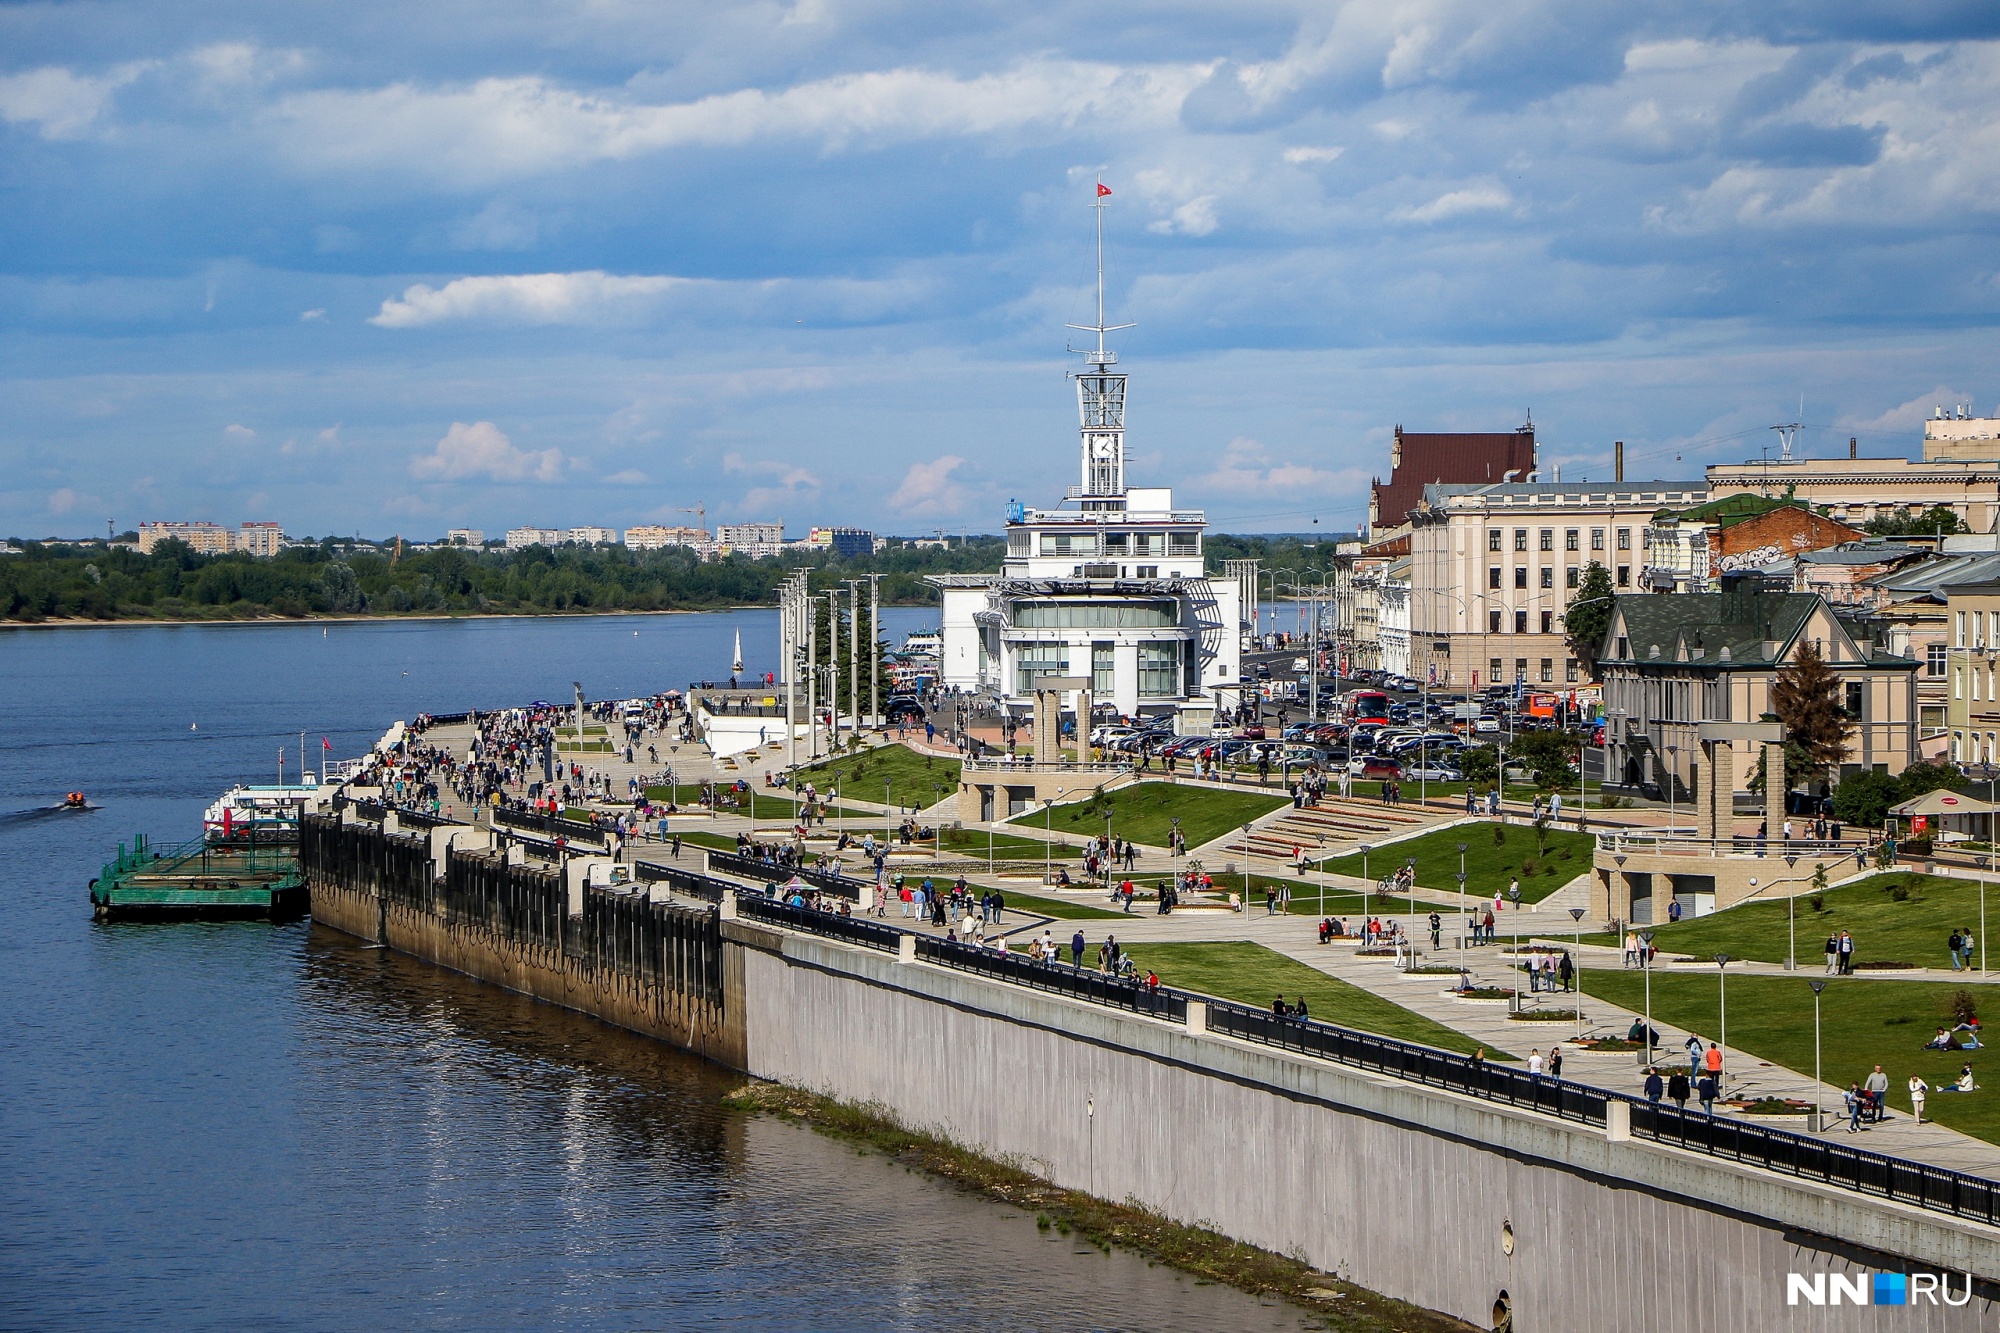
pixel 1322 876
pixel 1722 1004
pixel 1792 916
pixel 1672 752
pixel 1365 881
pixel 1646 966
pixel 1048 841
pixel 1818 984
pixel 1576 930
pixel 1246 864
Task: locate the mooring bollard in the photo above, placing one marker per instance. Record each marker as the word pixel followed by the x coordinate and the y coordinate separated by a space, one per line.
pixel 906 948
pixel 727 904
pixel 1617 1121
pixel 1197 1017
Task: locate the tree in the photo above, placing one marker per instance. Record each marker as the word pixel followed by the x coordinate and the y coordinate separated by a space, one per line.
pixel 1904 522
pixel 1920 779
pixel 1588 616
pixel 1806 697
pixel 1548 755
pixel 1864 799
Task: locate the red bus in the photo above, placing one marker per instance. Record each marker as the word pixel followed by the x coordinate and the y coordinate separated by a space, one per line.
pixel 1365 708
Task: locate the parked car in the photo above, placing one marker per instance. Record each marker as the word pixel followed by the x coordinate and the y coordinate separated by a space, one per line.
pixel 1374 766
pixel 1486 723
pixel 1435 772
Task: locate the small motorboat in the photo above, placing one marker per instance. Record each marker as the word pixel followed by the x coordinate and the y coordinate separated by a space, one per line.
pixel 75 800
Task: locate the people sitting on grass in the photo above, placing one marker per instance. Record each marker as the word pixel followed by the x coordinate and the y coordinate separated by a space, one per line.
pixel 1939 1042
pixel 1963 1083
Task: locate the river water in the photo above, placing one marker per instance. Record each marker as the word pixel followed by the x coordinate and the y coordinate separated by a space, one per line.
pixel 245 1126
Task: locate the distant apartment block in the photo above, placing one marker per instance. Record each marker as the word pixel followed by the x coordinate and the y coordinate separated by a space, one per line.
pixel 847 543
pixel 260 538
pixel 520 539
pixel 213 538
pixel 755 540
pixel 593 536
pixel 465 537
pixel 653 537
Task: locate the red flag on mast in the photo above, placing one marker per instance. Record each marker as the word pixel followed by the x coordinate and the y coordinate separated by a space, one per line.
pixel 1102 189
pixel 325 744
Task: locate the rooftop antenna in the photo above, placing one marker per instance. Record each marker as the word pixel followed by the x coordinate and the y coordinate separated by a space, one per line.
pixel 1788 432
pixel 1100 393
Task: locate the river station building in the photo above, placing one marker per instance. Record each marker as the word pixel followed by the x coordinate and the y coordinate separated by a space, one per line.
pixel 1107 585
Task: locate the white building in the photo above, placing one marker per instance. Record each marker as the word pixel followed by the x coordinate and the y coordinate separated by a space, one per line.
pixel 1392 626
pixel 465 537
pixel 654 537
pixel 755 540
pixel 520 539
pixel 592 536
pixel 1112 589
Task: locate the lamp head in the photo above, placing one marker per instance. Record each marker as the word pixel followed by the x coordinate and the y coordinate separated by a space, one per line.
pixel 1722 960
pixel 1817 985
pixel 1576 913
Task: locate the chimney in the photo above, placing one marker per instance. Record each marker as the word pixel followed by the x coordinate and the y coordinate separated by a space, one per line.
pixel 1618 460
pixel 1853 448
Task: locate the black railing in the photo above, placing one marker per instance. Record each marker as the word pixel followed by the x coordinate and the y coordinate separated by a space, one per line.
pixel 555 826
pixel 687 882
pixel 1075 982
pixel 769 872
pixel 1935 1188
pixel 853 929
pixel 1407 1060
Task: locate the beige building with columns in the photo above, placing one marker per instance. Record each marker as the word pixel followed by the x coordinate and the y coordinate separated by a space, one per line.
pixel 1493 567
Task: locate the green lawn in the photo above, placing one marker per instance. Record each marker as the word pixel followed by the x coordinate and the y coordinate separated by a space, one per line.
pixel 1253 974
pixel 1145 812
pixel 1006 846
pixel 1058 907
pixel 1489 865
pixel 911 778
pixel 1911 930
pixel 1863 1023
pixel 768 804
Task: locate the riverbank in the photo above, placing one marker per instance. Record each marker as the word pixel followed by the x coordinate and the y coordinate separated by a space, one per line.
pixel 1203 1254
pixel 263 617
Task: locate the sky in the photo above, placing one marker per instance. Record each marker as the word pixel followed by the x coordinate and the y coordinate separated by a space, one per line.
pixel 388 269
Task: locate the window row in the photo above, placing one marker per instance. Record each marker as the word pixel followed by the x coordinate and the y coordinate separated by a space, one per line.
pixel 1495 665
pixel 1546 540
pixel 1115 543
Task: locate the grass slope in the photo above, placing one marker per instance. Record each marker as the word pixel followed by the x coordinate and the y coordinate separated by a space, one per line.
pixel 1488 864
pixel 1863 1023
pixel 1146 812
pixel 1910 930
pixel 912 778
pixel 1253 974
pixel 1006 846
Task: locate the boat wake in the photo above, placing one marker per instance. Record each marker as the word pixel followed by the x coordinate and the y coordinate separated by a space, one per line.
pixel 45 812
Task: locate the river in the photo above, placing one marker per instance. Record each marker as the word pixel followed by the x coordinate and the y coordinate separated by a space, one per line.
pixel 245 1126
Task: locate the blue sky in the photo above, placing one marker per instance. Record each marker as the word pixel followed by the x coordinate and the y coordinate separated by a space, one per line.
pixel 393 268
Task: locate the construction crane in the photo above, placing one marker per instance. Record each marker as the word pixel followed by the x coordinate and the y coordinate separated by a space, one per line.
pixel 700 513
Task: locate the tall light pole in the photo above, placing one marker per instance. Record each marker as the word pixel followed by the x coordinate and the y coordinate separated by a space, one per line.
pixel 1246 862
pixel 1818 984
pixel 1672 751
pixel 1792 915
pixel 1462 919
pixel 1365 881
pixel 875 649
pixel 1576 930
pixel 1321 865
pixel 1646 966
pixel 1722 1003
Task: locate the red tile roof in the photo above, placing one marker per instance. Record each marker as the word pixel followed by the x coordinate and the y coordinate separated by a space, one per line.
pixel 1467 459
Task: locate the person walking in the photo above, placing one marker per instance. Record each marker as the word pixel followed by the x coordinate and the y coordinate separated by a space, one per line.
pixel 1632 950
pixel 1694 1054
pixel 1877 1087
pixel 1437 928
pixel 1678 1089
pixel 1708 1090
pixel 1712 1063
pixel 1654 1084
pixel 1076 949
pixel 1567 971
pixel 1951 945
pixel 1965 943
pixel 1918 1090
pixel 1832 954
pixel 1846 954
pixel 1555 1062
pixel 1535 1064
pixel 1853 1101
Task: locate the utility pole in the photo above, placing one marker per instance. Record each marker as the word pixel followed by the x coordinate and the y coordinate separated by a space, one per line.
pixel 833 666
pixel 854 652
pixel 812 671
pixel 875 654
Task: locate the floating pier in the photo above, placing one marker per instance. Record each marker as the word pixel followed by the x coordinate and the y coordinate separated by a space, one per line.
pixel 199 881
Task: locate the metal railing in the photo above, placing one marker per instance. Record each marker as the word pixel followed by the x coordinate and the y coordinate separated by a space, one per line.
pixel 1788 1152
pixel 553 825
pixel 767 872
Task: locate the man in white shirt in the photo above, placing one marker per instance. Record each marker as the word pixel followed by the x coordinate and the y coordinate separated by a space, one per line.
pixel 1535 1063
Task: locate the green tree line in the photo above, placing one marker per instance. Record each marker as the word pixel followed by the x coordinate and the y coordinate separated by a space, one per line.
pixel 103 582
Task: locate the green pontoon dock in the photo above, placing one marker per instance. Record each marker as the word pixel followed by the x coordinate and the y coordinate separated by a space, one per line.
pixel 199 881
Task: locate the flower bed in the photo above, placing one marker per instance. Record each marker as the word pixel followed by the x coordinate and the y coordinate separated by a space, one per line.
pixel 1887 965
pixel 1482 995
pixel 1543 1016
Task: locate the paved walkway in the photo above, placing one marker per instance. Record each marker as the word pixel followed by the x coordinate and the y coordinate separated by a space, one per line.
pixel 1295 936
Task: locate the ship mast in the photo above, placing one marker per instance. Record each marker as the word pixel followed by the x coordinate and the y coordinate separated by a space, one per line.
pixel 1100 396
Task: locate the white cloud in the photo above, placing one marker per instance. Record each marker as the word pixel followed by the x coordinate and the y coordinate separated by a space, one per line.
pixel 1309 154
pixel 308 316
pixel 238 434
pixel 501 127
pixel 1247 467
pixel 63 105
pixel 1196 217
pixel 928 489
pixel 521 298
pixel 1472 199
pixel 481 450
pixel 788 482
pixel 62 501
pixel 631 476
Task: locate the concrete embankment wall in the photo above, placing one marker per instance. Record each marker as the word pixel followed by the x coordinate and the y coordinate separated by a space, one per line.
pixel 381 888
pixel 1443 1200
pixel 1404 1190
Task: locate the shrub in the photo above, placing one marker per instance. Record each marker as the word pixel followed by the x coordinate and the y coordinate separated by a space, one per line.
pixel 1964 1005
pixel 1817 902
pixel 1499 835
